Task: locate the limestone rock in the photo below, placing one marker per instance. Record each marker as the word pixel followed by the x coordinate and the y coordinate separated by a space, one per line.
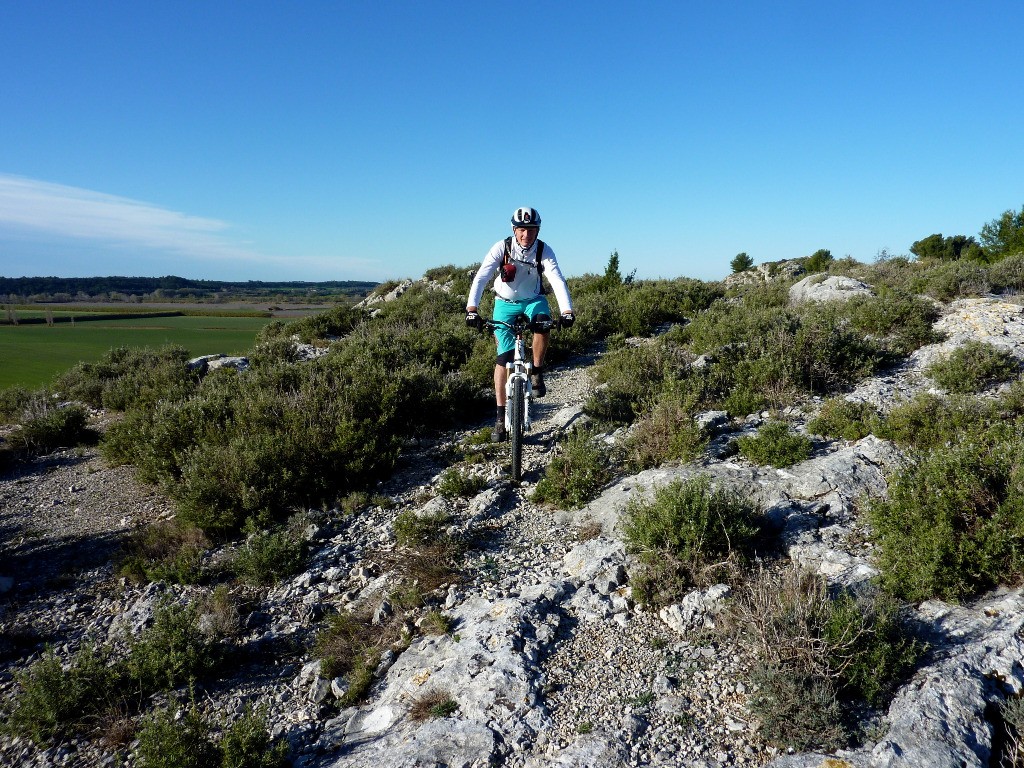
pixel 831 288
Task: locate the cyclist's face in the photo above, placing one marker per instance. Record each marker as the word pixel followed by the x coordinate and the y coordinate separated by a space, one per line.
pixel 526 236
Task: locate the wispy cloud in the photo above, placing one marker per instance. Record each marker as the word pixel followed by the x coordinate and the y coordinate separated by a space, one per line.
pixel 63 214
pixel 64 211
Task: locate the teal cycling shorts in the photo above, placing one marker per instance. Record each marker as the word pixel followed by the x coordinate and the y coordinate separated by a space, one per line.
pixel 507 311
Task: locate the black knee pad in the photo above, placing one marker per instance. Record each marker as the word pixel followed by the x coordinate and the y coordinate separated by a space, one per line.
pixel 506 357
pixel 542 317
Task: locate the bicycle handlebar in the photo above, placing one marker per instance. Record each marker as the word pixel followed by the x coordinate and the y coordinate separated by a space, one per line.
pixel 518 325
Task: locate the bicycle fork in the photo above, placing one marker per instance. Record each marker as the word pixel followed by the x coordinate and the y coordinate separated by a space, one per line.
pixel 518 370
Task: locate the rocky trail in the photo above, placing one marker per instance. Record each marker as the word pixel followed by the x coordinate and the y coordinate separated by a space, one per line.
pixel 548 660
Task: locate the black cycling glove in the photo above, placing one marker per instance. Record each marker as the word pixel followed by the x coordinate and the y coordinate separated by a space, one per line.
pixel 568 319
pixel 473 320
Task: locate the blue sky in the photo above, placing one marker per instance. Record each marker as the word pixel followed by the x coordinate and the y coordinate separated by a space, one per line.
pixel 332 141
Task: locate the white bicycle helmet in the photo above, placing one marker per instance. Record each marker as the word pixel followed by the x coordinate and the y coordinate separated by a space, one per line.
pixel 526 217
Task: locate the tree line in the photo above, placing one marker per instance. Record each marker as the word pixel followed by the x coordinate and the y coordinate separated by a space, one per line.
pixel 999 238
pixel 169 287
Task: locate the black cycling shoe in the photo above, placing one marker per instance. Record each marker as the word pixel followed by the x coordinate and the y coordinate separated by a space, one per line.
pixel 499 434
pixel 539 389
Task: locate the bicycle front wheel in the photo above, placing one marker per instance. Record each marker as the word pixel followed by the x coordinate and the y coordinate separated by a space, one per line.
pixel 516 418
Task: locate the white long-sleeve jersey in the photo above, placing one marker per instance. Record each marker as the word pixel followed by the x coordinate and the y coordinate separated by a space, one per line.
pixel 527 283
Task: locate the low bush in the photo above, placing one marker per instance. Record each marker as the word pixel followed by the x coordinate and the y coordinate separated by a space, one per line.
pixel 900 320
pixel 776 445
pixel 172 651
pixel 55 699
pixel 846 419
pixel 164 551
pixel 423 569
pixel 437 623
pixel 46 426
pixel 929 421
pixel 455 483
pixel 414 530
pixel 973 366
pixel 819 656
pixel 167 739
pixel 951 524
pixel 333 323
pixel 667 433
pixel 576 474
pixel 763 355
pixel 51 700
pixel 130 378
pixel 171 739
pixel 13 401
pixel 247 743
pixel 952 280
pixel 1011 717
pixel 686 534
pixel 629 379
pixel 268 556
pixel 350 646
pixel 1007 275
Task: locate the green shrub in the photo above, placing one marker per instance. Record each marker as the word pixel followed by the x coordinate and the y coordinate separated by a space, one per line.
pixel 952 280
pixel 457 484
pixel 819 657
pixel 165 551
pixel 282 435
pixel 576 474
pixel 928 421
pixel 47 425
pixel 337 321
pixel 170 652
pixel 52 702
pixel 170 740
pixel 13 402
pixel 272 352
pixel 775 445
pixel 819 261
pixel 828 354
pixel 167 741
pixel 845 419
pixel 901 321
pixel 693 520
pixel 764 355
pixel 247 744
pixel 667 433
pixel 629 379
pixel 125 378
pixel 437 623
pixel 973 366
pixel 1007 275
pixel 413 530
pixel 350 645
pixel 798 710
pixel 685 531
pixel 952 523
pixel 267 557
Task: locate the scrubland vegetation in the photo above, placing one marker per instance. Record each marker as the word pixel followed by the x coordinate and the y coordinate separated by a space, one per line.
pixel 240 453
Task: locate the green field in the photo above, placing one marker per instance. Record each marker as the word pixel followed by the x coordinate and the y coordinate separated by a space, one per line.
pixel 32 355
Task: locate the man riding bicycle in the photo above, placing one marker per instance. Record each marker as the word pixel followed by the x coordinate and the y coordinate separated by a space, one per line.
pixel 520 262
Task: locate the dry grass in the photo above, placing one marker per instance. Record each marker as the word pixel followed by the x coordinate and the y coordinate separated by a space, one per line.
pixel 591 529
pixel 436 703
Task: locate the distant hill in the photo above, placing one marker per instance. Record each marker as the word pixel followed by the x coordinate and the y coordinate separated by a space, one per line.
pixel 169 287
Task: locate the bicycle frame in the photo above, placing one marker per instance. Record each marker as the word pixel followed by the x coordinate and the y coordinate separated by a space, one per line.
pixel 518 387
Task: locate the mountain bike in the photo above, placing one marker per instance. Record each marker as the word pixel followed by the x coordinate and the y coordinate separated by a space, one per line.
pixel 518 387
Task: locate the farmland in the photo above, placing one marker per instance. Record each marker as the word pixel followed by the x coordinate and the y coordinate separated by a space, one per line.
pixel 31 354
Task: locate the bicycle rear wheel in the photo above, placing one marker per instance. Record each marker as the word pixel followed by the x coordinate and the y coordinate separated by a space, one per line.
pixel 518 406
